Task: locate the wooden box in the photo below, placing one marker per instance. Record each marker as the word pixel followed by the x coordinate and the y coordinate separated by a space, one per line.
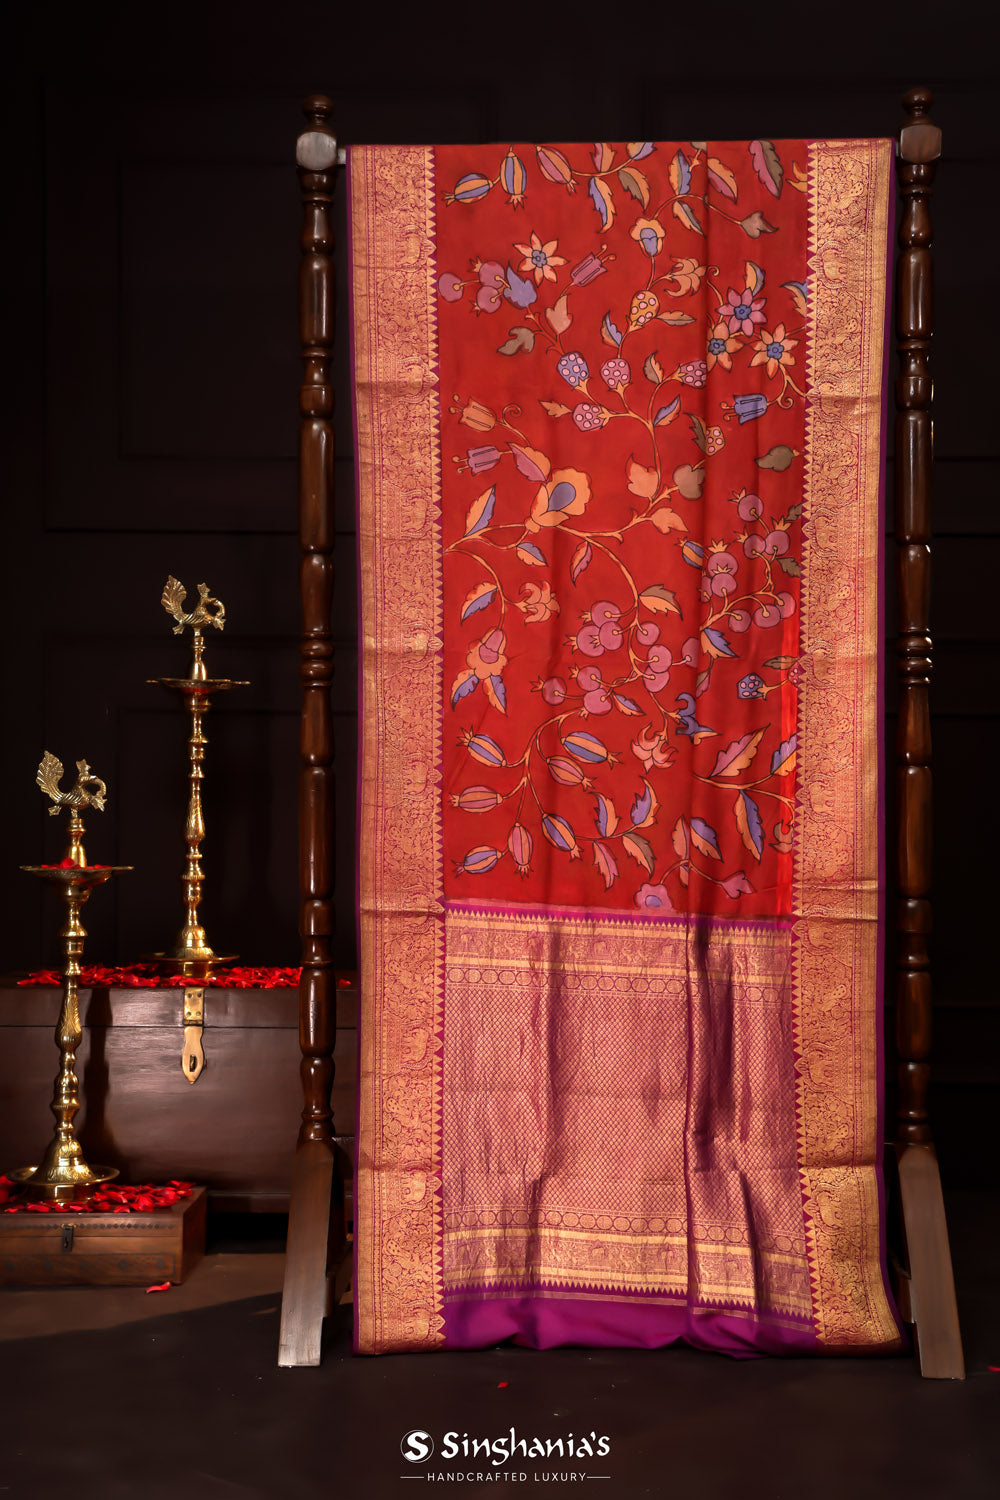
pixel 78 1249
pixel 234 1129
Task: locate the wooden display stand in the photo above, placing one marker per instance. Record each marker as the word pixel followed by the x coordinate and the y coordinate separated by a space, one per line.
pixel 315 1237
pixel 106 1249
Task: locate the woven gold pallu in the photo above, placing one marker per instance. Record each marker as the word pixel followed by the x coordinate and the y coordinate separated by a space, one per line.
pixel 619 423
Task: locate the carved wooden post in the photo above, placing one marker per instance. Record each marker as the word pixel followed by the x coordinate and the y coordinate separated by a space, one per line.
pixel 931 1286
pixel 304 1297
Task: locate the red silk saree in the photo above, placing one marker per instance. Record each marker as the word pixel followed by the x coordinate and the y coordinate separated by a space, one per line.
pixel 619 425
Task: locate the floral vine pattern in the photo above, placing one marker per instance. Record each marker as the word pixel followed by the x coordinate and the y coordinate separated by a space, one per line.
pixel 622 524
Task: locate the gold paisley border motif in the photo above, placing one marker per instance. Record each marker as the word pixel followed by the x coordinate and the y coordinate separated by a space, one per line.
pixel 398 1295
pixel 836 884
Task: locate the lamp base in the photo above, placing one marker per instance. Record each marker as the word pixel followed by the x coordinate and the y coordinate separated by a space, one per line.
pixel 62 1192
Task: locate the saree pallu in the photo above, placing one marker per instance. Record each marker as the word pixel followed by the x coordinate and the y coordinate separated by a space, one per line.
pixel 619 430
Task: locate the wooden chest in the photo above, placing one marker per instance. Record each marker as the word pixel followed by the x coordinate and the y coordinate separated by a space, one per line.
pixel 67 1249
pixel 234 1129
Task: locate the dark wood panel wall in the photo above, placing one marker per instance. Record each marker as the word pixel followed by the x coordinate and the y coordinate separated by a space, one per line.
pixel 151 336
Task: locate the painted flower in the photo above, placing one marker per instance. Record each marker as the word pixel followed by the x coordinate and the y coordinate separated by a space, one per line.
pixel 721 345
pixel 750 686
pixel 477 416
pixel 482 748
pixel 742 311
pixel 649 233
pixel 486 657
pixel 588 417
pixel 773 350
pixel 693 373
pixel 653 898
pixel 587 270
pixel 475 799
pixel 749 408
pixel 566 492
pixel 519 845
pixel 478 861
pixel 538 603
pixel 616 373
pixel 652 750
pixel 513 177
pixel 482 459
pixel 540 259
pixel 573 369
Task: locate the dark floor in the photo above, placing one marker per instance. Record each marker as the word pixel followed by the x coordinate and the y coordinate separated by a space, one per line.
pixel 178 1395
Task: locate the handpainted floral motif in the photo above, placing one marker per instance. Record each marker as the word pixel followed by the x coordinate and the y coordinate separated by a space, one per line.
pixel 621 601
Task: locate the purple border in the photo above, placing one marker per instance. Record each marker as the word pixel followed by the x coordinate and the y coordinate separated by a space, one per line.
pixel 549 1322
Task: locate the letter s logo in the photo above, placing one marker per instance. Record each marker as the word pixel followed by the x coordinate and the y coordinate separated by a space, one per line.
pixel 416 1446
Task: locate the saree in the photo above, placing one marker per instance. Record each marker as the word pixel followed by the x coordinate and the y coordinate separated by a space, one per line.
pixel 619 428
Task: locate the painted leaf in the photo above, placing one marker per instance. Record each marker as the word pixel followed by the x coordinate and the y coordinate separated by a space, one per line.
pixel 606 864
pixel 754 225
pixel 519 290
pixel 605 817
pixel 683 875
pixel 722 178
pixel 638 149
pixel 519 341
pixel 480 512
pixel 698 431
pixel 464 684
pixel 610 332
pixel 793 512
pixel 496 693
pixel 767 165
pixel 642 482
pixel 639 848
pixel 529 553
pixel 737 756
pixel 689 481
pixel 748 821
pixel 581 561
pixel 702 681
pixel 675 319
pixel 600 196
pixel 660 600
pixel 687 216
pixel 790 566
pixel 602 156
pixel 653 370
pixel 783 759
pixel 679 838
pixel 665 519
pixel 715 642
pixel 800 293
pixel 737 885
pixel 781 663
pixel 705 839
pixel 555 408
pixel 480 597
pixel 559 316
pixel 627 705
pixel 755 277
pixel 798 179
pixel 645 807
pixel 667 413
pixel 777 458
pixel 680 174
pixel 531 463
pixel 635 184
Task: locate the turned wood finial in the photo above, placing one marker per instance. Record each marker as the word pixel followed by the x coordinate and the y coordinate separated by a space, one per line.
pixel 919 138
pixel 316 147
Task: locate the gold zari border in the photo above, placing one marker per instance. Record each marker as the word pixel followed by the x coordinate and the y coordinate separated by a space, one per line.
pixel 837 833
pixel 398 1291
